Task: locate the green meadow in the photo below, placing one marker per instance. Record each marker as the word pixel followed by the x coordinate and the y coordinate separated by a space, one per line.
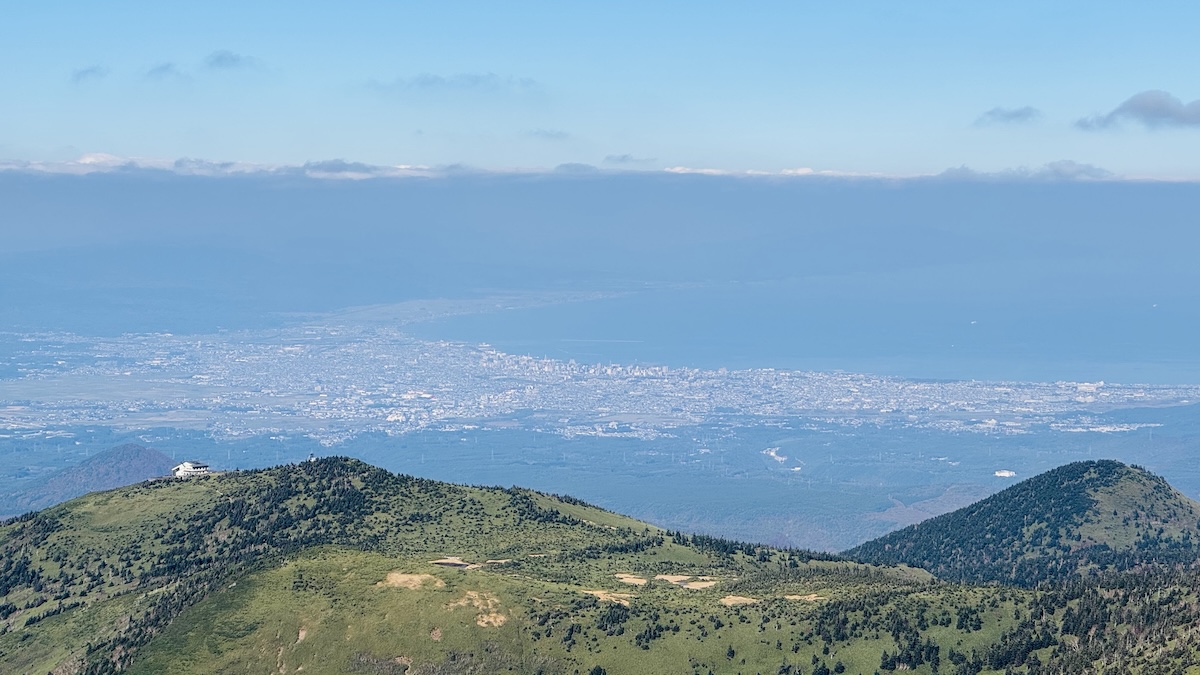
pixel 335 566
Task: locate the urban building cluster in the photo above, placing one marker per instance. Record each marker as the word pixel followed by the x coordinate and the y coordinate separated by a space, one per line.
pixel 336 381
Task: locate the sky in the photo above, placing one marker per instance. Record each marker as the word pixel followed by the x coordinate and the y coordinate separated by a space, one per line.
pixel 846 87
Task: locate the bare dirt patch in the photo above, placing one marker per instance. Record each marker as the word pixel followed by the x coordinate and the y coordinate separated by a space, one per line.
pixel 619 598
pixel 631 579
pixel 455 562
pixel 731 600
pixel 488 606
pixel 673 578
pixel 811 597
pixel 493 619
pixel 303 634
pixel 410 581
pixel 436 635
pixel 688 581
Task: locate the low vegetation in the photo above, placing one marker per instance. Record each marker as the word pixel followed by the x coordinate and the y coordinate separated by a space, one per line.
pixel 334 566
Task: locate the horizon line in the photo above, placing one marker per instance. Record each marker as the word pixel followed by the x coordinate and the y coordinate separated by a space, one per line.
pixel 341 169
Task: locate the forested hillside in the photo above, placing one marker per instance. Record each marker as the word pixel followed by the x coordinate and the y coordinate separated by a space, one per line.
pixel 1081 517
pixel 335 566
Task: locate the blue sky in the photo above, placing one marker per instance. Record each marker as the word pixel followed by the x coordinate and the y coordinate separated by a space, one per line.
pixel 858 87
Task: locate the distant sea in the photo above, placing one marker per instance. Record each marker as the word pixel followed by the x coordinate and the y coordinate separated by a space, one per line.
pixel 787 325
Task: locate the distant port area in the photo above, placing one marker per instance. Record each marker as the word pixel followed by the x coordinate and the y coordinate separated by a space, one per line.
pixel 792 457
pixel 334 382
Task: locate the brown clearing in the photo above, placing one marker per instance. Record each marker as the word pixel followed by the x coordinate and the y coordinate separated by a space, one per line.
pixel 688 581
pixel 631 579
pixel 303 634
pixel 409 581
pixel 458 563
pixel 731 600
pixel 619 598
pixel 436 635
pixel 494 619
pixel 486 603
pixel 673 578
pixel 454 561
pixel 811 597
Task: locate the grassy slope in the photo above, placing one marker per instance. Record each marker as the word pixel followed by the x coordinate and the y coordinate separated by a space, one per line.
pixel 348 620
pixel 90 531
pixel 115 554
pixel 1138 506
pixel 107 551
pixel 256 559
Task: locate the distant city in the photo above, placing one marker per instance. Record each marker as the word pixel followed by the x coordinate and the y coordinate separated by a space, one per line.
pixel 333 382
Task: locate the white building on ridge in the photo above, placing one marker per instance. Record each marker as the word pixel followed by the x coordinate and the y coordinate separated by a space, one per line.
pixel 189 469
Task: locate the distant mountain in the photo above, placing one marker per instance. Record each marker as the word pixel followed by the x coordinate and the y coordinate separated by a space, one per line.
pixel 112 468
pixel 1085 516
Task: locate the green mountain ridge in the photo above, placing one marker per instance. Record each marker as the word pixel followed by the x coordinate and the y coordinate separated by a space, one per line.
pixel 334 566
pixel 1085 516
